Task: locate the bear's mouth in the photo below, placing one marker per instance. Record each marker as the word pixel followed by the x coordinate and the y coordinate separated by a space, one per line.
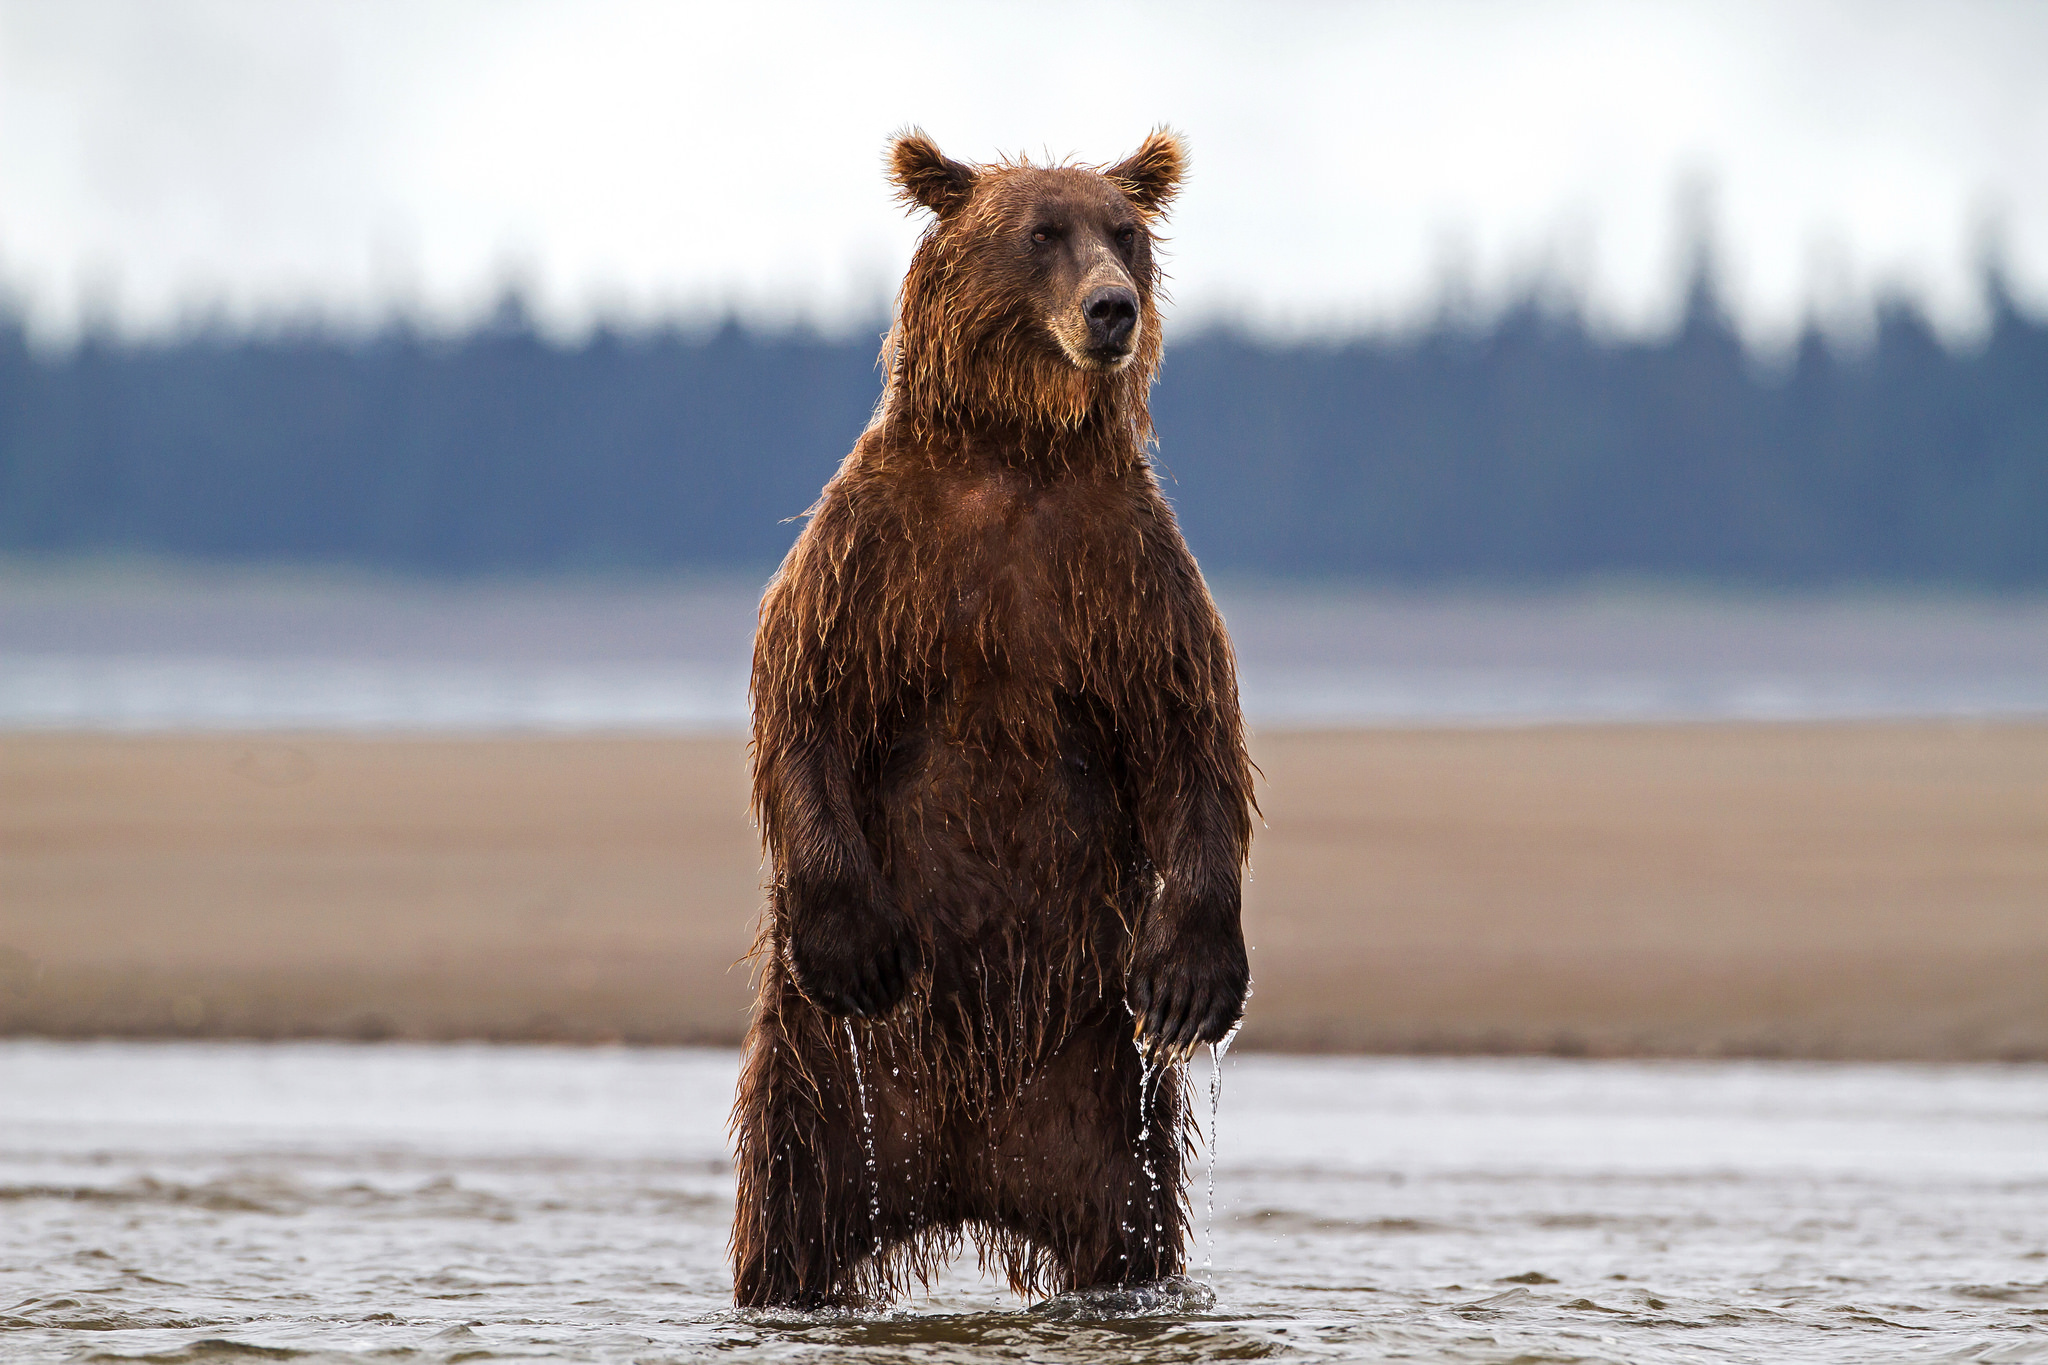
pixel 1095 359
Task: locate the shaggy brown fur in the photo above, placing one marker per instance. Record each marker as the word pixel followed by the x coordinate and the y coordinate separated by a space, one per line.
pixel 1001 778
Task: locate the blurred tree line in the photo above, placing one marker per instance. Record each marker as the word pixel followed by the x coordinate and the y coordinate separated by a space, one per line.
pixel 1527 447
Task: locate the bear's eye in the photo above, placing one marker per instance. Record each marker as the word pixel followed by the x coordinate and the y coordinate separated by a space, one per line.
pixel 1042 233
pixel 1126 236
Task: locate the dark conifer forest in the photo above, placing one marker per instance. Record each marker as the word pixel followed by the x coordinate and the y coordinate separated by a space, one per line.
pixel 1529 448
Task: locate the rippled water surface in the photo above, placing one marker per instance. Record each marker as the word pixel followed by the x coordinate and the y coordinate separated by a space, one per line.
pixel 223 1202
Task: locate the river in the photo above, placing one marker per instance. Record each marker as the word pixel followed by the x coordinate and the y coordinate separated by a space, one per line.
pixel 318 1202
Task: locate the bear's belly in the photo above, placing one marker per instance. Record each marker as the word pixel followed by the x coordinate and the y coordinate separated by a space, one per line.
pixel 993 836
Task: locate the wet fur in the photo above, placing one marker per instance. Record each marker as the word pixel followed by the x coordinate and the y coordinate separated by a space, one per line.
pixel 1002 784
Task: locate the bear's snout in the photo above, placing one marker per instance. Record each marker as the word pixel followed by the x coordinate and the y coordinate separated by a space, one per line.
pixel 1112 314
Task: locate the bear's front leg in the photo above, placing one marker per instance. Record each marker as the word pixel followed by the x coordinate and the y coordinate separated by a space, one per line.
pixel 848 945
pixel 1189 973
pixel 849 950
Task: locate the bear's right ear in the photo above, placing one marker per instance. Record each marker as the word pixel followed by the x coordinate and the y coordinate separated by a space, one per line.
pixel 926 177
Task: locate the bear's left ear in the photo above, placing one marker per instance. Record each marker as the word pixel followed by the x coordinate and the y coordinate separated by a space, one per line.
pixel 925 176
pixel 1151 175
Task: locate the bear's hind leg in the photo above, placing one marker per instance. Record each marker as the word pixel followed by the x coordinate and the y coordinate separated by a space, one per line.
pixel 1085 1185
pixel 834 1198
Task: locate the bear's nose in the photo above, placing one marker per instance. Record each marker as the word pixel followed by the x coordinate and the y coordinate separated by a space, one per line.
pixel 1112 312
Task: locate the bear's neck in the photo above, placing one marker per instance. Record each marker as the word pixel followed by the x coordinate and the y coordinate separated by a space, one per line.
pixel 1096 427
pixel 1102 445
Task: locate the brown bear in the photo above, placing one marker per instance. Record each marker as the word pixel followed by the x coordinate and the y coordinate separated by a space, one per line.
pixel 1001 779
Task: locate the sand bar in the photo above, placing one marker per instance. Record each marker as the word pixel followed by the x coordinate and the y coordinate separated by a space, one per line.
pixel 1865 890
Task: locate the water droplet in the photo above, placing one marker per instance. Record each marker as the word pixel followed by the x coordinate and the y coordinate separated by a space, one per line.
pixel 867 1135
pixel 1147 1073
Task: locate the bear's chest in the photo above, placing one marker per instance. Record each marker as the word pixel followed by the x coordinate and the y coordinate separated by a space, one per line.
pixel 1011 556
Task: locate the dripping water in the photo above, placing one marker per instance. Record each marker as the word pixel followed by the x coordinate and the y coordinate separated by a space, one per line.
pixel 1216 1053
pixel 1147 1073
pixel 867 1137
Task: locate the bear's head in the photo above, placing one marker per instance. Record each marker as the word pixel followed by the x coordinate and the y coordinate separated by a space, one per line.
pixel 1033 296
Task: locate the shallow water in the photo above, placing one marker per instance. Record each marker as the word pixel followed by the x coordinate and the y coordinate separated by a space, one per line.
pixel 316 1202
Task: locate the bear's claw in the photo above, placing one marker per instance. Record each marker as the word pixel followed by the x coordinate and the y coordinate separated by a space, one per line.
pixel 1178 1008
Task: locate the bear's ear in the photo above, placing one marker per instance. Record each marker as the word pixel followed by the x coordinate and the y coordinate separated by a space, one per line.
pixel 926 177
pixel 1151 175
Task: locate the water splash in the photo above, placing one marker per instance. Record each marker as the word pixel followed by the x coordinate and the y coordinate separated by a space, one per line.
pixel 867 1137
pixel 1174 1296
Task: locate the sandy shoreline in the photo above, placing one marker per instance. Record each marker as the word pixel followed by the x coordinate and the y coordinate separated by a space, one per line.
pixel 1872 891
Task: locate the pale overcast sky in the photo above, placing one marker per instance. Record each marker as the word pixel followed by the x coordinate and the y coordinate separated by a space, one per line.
pixel 163 158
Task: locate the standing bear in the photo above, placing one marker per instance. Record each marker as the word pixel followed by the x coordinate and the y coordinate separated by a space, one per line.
pixel 1001 779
